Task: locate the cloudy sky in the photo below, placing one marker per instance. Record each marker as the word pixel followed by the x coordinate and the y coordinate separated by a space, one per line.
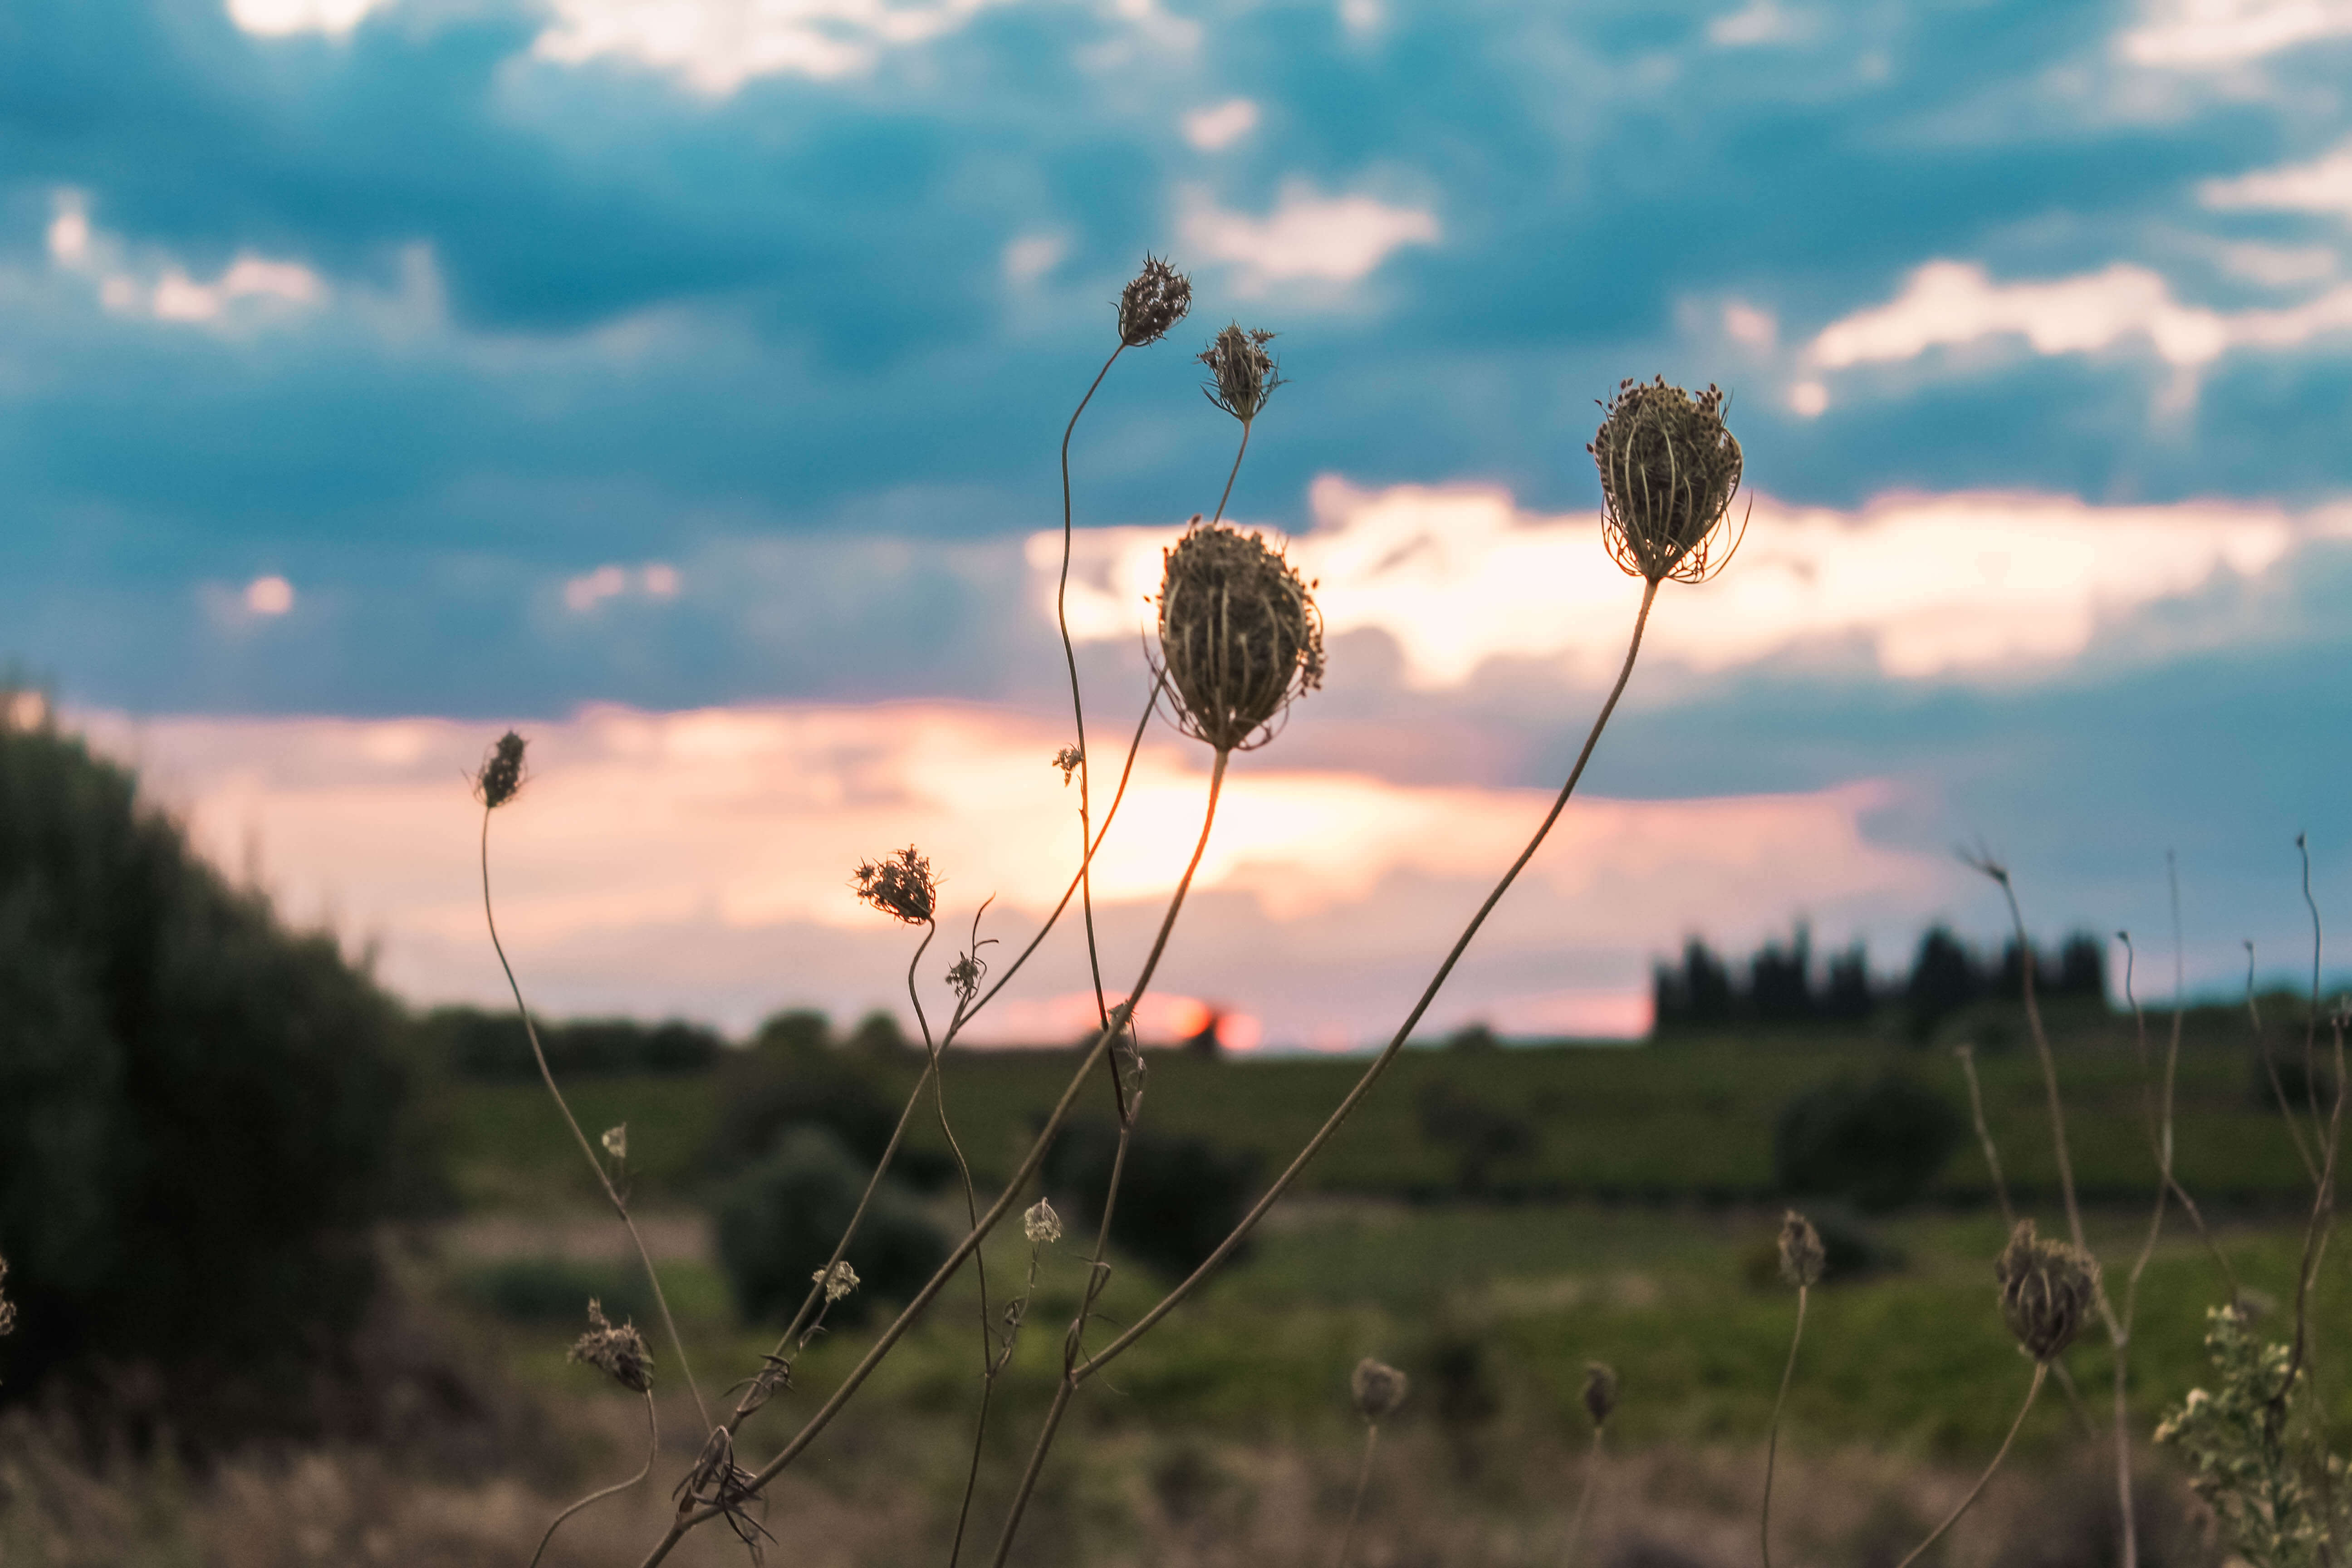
pixel 681 380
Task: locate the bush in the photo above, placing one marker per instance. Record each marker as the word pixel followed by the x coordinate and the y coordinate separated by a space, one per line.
pixel 203 1113
pixel 1878 1146
pixel 779 1219
pixel 1177 1199
pixel 765 1095
pixel 1478 1134
pixel 556 1290
pixel 491 1044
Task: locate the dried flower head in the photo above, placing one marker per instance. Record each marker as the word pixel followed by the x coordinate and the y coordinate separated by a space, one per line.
pixel 1040 1224
pixel 501 776
pixel 964 976
pixel 1669 468
pixel 900 885
pixel 1377 1387
pixel 1242 374
pixel 1239 636
pixel 1155 300
pixel 2047 1289
pixel 1067 759
pixel 838 1280
pixel 1600 1390
pixel 619 1353
pixel 616 1141
pixel 1802 1256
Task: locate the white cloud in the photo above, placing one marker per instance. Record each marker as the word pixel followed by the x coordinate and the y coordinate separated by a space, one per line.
pixel 278 17
pixel 2279 266
pixel 249 289
pixel 2322 186
pixel 656 580
pixel 1968 585
pixel 1032 255
pixel 269 596
pixel 1749 324
pixel 1219 125
pixel 2197 35
pixel 1758 22
pixel 1308 236
pixel 719 44
pixel 699 861
pixel 1948 304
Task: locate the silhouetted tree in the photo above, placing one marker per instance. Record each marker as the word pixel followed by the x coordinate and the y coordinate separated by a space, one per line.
pixel 1780 980
pixel 1848 996
pixel 1945 978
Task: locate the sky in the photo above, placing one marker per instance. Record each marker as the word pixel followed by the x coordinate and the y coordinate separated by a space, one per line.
pixel 681 382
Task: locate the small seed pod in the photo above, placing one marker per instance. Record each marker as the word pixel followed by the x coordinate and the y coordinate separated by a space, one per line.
pixel 501 778
pixel 1155 300
pixel 838 1280
pixel 900 885
pixel 1040 1224
pixel 619 1353
pixel 1242 374
pixel 1599 1391
pixel 1239 635
pixel 1802 1256
pixel 1378 1388
pixel 2047 1289
pixel 1669 468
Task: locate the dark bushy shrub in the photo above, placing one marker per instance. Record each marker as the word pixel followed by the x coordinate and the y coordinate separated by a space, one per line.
pixel 780 1218
pixel 764 1094
pixel 201 1112
pixel 491 1044
pixel 556 1290
pixel 1877 1145
pixel 1478 1134
pixel 1178 1198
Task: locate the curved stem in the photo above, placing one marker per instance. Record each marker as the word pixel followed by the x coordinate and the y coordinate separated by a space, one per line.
pixel 996 1212
pixel 1380 1064
pixel 1583 1502
pixel 1078 703
pixel 653 1451
pixel 1363 1479
pixel 1234 473
pixel 2040 1371
pixel 612 1193
pixel 1772 1441
pixel 1984 1135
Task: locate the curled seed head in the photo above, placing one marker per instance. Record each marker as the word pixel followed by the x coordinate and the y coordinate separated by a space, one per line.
pixel 964 976
pixel 1040 1224
pixel 1155 300
pixel 1378 1388
pixel 2047 1289
pixel 1067 759
pixel 1239 636
pixel 1599 1391
pixel 838 1280
pixel 501 778
pixel 1242 374
pixel 1669 468
pixel 619 1353
pixel 1802 1256
pixel 900 885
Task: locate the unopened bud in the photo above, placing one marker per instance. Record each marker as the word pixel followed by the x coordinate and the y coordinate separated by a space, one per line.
pixel 1377 1387
pixel 1802 1256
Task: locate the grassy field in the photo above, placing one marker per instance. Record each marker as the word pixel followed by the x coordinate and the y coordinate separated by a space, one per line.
pixel 1684 1121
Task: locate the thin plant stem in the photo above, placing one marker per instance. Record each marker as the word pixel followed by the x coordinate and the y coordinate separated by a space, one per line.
pixel 653 1451
pixel 2311 1021
pixel 2270 1066
pixel 689 1516
pixel 1078 702
pixel 2158 1105
pixel 620 1204
pixel 1772 1438
pixel 1583 1500
pixel 1380 1064
pixel 2041 1370
pixel 1968 1056
pixel 1363 1482
pixel 2118 1337
pixel 1230 476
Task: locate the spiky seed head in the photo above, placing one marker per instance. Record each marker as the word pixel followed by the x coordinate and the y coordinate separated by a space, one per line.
pixel 838 1280
pixel 1669 468
pixel 501 775
pixel 1802 1256
pixel 1040 1224
pixel 964 976
pixel 2047 1289
pixel 1068 759
pixel 1239 636
pixel 1242 374
pixel 900 885
pixel 1600 1390
pixel 1378 1388
pixel 619 1353
pixel 1155 300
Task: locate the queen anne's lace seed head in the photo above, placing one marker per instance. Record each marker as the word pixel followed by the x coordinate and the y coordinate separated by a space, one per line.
pixel 1239 636
pixel 1040 1224
pixel 838 1280
pixel 1155 300
pixel 2047 1289
pixel 500 777
pixel 1378 1389
pixel 1242 374
pixel 1669 466
pixel 900 885
pixel 619 1353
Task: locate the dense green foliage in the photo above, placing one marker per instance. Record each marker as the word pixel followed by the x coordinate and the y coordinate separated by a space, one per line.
pixel 1878 1146
pixel 1178 1197
pixel 779 1220
pixel 474 1043
pixel 201 1112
